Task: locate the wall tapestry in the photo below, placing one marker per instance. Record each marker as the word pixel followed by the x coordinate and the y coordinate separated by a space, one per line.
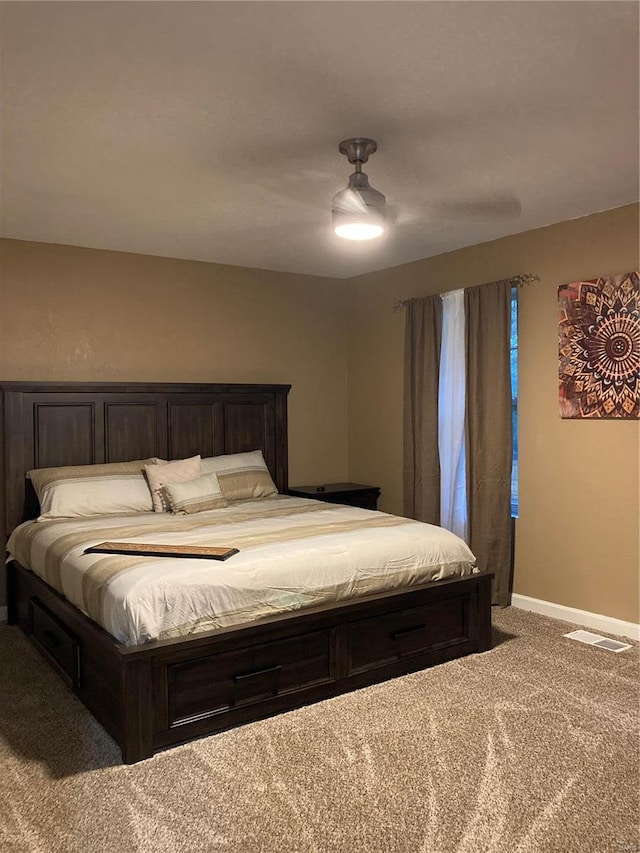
pixel 599 336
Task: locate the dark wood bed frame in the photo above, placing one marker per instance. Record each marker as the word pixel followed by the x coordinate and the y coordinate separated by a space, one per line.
pixel 164 693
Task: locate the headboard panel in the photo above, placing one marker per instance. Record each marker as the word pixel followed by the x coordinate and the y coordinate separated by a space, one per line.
pixel 46 424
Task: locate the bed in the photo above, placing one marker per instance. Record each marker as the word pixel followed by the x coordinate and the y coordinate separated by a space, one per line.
pixel 157 689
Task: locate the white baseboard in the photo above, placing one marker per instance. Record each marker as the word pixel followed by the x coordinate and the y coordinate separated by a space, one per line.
pixel 577 617
pixel 3 614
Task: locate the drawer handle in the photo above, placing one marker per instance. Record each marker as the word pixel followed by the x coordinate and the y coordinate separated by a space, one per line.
pixel 53 638
pixel 255 672
pixel 399 635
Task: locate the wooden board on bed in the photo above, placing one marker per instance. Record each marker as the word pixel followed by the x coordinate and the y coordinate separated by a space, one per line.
pixel 163 693
pixel 142 549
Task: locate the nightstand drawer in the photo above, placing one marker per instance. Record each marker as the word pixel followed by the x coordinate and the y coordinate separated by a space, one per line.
pixel 54 639
pixel 365 499
pixel 391 636
pixel 349 494
pixel 218 683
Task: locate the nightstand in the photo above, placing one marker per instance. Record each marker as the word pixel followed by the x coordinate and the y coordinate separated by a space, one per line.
pixel 352 494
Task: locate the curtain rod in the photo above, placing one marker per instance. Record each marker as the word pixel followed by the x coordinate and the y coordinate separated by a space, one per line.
pixel 516 281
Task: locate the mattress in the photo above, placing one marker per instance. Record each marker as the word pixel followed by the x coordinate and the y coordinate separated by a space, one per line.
pixel 293 553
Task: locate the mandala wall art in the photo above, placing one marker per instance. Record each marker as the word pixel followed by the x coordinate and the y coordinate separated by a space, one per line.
pixel 599 340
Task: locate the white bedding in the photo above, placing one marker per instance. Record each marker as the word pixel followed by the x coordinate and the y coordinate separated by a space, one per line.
pixel 294 553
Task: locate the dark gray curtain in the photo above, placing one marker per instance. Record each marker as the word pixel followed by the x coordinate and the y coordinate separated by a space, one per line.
pixel 489 430
pixel 421 469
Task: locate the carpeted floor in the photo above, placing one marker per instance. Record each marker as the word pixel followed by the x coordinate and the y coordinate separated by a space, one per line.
pixel 530 747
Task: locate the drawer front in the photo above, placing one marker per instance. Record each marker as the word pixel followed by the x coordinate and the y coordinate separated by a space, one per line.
pixel 368 500
pixel 363 499
pixel 212 685
pixel 392 636
pixel 56 641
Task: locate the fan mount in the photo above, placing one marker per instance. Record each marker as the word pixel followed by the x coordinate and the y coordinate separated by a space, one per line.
pixel 358 150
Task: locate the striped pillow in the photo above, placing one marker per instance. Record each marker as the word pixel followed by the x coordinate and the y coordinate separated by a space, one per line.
pixel 159 475
pixel 197 495
pixel 242 476
pixel 80 490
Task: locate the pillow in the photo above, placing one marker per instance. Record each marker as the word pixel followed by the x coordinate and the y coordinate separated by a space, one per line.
pixel 241 475
pixel 80 490
pixel 169 472
pixel 195 495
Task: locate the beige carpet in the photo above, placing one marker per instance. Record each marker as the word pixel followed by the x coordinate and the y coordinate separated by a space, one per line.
pixel 530 747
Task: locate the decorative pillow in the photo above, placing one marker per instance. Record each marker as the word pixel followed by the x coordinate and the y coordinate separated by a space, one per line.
pixel 80 490
pixel 169 472
pixel 242 475
pixel 195 495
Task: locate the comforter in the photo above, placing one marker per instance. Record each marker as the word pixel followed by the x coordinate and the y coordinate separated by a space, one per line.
pixel 293 553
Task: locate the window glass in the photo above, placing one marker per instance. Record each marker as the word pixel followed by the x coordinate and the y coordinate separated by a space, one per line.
pixel 514 400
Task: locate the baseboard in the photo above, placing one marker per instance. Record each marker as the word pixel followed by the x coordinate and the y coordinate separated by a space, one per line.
pixel 577 617
pixel 3 614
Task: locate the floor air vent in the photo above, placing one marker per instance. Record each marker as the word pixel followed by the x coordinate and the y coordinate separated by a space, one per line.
pixel 596 640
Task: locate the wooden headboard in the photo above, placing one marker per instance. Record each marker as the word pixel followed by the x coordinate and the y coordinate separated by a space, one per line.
pixel 46 424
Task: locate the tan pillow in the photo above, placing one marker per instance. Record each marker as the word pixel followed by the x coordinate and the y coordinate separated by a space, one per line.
pixel 81 490
pixel 242 475
pixel 159 475
pixel 72 491
pixel 197 495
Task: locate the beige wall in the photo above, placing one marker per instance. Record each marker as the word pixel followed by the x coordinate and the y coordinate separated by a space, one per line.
pixel 82 314
pixel 577 535
pixel 69 313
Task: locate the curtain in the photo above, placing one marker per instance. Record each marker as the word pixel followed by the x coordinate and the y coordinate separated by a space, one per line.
pixel 489 430
pixel 451 416
pixel 421 467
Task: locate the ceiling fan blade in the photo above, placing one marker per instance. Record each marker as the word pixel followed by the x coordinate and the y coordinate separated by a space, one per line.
pixel 394 214
pixel 507 207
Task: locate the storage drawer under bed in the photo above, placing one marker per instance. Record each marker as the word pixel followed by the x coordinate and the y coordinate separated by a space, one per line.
pixel 212 685
pixel 383 639
pixel 56 641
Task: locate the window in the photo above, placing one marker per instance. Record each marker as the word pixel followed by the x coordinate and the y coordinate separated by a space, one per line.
pixel 514 400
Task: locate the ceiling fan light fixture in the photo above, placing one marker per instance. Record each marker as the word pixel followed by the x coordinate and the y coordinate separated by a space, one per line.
pixel 358 211
pixel 358 230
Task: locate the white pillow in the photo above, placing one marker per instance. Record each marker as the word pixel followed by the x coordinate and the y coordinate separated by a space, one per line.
pixel 242 475
pixel 178 471
pixel 197 495
pixel 80 490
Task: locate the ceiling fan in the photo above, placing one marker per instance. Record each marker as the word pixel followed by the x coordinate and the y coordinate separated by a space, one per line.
pixel 358 211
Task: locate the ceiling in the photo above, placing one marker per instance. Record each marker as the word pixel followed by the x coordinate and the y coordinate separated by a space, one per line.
pixel 210 130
